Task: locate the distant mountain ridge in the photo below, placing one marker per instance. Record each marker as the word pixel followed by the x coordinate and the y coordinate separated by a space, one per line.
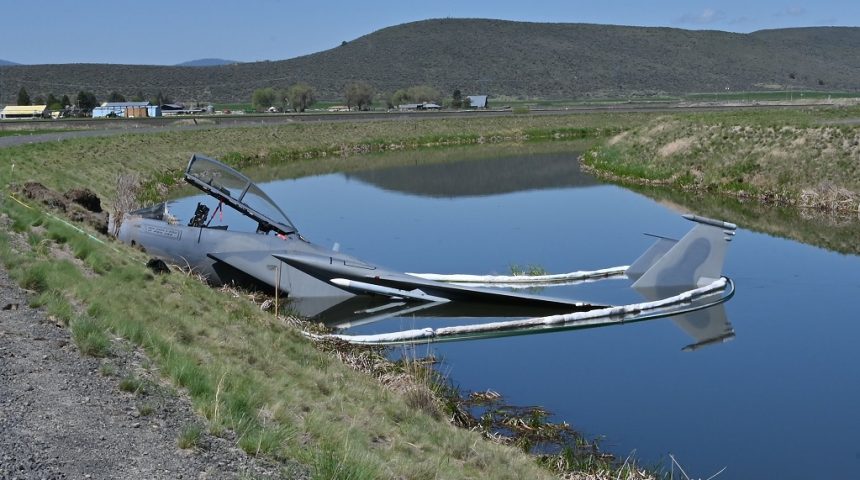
pixel 495 57
pixel 7 62
pixel 206 62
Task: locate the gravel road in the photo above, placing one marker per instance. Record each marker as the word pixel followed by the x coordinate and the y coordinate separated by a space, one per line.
pixel 63 415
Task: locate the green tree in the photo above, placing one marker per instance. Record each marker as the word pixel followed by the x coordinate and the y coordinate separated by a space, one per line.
pixel 65 101
pixel 115 97
pixel 359 95
pixel 300 96
pixel 160 99
pixel 39 100
pixel 416 94
pixel 263 98
pixel 457 99
pixel 399 97
pixel 385 98
pixel 53 102
pixel 138 97
pixel 87 100
pixel 282 99
pixel 423 93
pixel 23 97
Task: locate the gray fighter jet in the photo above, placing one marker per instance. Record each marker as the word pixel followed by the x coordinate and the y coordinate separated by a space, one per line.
pixel 276 256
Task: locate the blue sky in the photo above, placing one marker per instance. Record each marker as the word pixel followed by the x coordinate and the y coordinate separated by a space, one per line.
pixel 166 32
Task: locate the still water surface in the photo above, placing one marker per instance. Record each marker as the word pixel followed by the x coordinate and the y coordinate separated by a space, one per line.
pixel 778 401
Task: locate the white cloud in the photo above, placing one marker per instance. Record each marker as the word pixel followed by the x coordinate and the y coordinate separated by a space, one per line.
pixel 741 21
pixel 792 11
pixel 706 17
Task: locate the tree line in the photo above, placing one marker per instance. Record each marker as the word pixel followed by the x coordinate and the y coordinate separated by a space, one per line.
pixel 84 100
pixel 298 98
pixel 357 96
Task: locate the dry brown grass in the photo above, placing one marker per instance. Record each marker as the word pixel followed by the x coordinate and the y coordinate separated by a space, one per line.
pixel 804 165
pixel 676 147
pixel 125 198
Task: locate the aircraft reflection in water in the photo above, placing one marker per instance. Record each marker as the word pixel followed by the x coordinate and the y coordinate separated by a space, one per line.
pixel 680 278
pixel 706 323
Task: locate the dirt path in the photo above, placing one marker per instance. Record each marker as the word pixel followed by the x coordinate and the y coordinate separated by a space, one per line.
pixel 63 415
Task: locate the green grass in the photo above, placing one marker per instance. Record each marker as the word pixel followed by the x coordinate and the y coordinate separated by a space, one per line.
pixel 528 270
pixel 132 384
pixel 190 436
pixel 107 369
pixel 330 465
pixel 146 409
pixel 40 275
pixel 17 132
pixel 802 157
pixel 90 337
pixel 265 441
pixel 780 95
pixel 235 107
pixel 525 105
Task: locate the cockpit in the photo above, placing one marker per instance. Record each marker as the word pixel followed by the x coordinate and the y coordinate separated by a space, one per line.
pixel 239 192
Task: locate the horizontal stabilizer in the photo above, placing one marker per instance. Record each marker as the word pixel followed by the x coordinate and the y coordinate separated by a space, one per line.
pixel 354 276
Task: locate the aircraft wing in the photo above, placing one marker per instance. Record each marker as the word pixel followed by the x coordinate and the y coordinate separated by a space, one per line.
pixel 357 277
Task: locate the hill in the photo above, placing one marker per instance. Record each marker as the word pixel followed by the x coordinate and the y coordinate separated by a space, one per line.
pixel 7 62
pixel 206 62
pixel 543 60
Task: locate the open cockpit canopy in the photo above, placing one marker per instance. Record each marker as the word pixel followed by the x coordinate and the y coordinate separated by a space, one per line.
pixel 239 192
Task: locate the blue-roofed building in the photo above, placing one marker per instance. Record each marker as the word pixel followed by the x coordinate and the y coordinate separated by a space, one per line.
pixel 127 110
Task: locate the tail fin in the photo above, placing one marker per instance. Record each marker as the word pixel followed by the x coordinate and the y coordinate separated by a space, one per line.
pixel 650 257
pixel 694 260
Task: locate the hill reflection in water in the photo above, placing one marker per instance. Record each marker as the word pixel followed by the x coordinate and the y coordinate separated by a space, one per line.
pixel 468 178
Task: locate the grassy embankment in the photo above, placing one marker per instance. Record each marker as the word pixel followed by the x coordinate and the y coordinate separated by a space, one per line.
pixel 792 173
pixel 245 370
pixel 803 158
pixel 24 130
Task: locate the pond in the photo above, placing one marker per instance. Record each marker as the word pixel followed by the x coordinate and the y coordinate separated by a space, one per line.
pixel 777 400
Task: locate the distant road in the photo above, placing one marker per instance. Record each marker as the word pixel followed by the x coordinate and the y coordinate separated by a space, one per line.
pixel 119 126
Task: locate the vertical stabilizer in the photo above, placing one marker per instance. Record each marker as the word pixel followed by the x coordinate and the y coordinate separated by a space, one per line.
pixel 650 257
pixel 695 260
